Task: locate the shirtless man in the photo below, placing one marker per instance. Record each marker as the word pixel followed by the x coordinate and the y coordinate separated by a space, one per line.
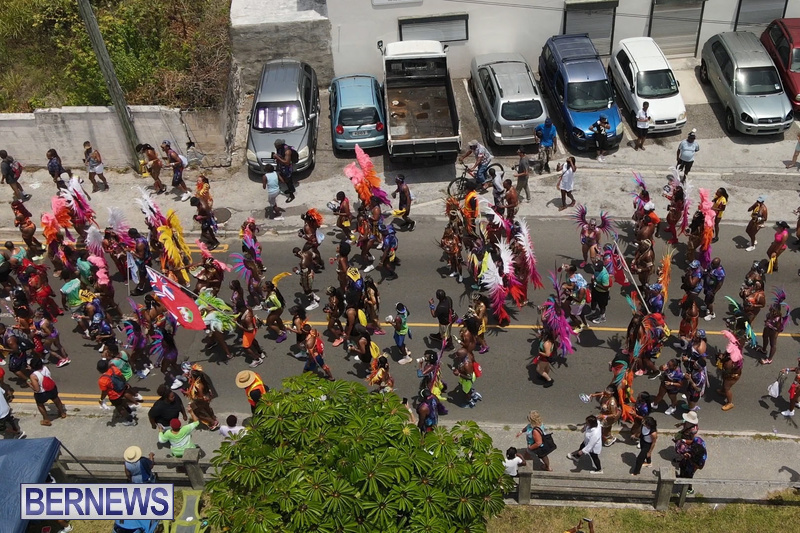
pixel 405 201
pixel 643 262
pixel 344 215
pixel 510 200
pixel 309 234
pixel 342 264
pixel 306 271
pixel 451 244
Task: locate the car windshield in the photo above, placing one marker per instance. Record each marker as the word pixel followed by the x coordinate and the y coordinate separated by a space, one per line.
pixel 358 116
pixel 656 84
pixel 757 81
pixel 523 110
pixel 588 95
pixel 795 65
pixel 278 116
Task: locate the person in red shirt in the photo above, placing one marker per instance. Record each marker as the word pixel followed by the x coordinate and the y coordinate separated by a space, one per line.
pixel 120 396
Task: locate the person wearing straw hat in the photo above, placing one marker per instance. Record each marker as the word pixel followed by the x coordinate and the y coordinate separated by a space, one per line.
pixel 253 387
pixel 138 469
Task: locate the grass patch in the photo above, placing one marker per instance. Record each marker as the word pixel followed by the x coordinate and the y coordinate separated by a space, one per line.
pixel 784 509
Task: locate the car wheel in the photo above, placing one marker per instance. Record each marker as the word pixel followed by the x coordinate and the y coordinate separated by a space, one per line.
pixel 730 125
pixel 703 72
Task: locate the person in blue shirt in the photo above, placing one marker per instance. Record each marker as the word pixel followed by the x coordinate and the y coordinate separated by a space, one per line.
pixel 548 139
pixel 672 378
pixel 712 283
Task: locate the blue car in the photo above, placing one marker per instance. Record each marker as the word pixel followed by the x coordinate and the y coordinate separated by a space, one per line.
pixel 572 72
pixel 357 113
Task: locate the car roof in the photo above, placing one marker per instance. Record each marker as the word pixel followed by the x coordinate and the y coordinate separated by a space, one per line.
pixel 792 27
pixel 280 80
pixel 745 48
pixel 355 91
pixel 645 53
pixel 587 70
pixel 510 71
pixel 413 48
pixel 573 47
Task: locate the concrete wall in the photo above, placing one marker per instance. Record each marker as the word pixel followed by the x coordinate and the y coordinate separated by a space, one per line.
pixel 28 136
pixel 273 29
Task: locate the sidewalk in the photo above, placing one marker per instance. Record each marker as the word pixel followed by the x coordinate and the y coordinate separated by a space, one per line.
pixel 729 456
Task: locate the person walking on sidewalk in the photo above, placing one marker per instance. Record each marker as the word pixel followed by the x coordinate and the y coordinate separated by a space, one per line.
pixel 175 162
pixel 7 420
pixel 271 182
pixel 283 156
pixel 179 437
pixel 794 390
pixel 592 444
pixel 535 436
pixel 648 437
pixel 10 173
pixel 796 153
pixel 523 170
pixel 253 386
pixel 685 154
pixel 691 457
pixel 548 141
pixel 758 217
pixel 405 202
pixel 138 469
pixel 44 390
pixel 94 166
pixel 566 182
pixel 152 164
pixel 56 169
pixel 642 126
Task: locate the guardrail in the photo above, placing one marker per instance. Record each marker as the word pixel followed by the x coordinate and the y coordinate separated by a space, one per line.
pixel 186 470
pixel 657 491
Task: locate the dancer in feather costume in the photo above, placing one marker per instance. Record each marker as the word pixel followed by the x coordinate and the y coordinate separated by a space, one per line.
pixel 652 335
pixel 219 319
pixel 774 324
pixel 153 217
pixel 677 213
pixel 249 235
pixel 523 237
pixel 498 292
pixel 210 273
pixel 730 366
pixel 176 257
pixel 590 232
pixel 554 319
pixel 365 180
pixel 313 237
pixel 245 267
pixel 641 197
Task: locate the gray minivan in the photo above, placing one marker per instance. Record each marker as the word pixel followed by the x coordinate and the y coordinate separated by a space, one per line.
pixel 747 83
pixel 285 106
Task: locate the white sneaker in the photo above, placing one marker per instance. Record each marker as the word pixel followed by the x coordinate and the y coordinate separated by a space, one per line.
pixel 460 279
pixel 787 413
pixel 186 196
pixel 66 529
pixel 279 218
pixel 749 248
pixel 453 274
pixel 709 318
pixel 316 298
pixel 654 405
pixel 669 411
pixel 370 268
pixel 312 306
pixel 599 320
pixel 595 471
pixel 404 360
pixel 138 397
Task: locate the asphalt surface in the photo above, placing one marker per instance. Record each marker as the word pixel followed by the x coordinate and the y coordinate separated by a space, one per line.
pixel 510 388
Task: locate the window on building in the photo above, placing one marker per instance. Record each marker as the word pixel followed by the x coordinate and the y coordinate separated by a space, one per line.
pixel 594 17
pixel 755 15
pixel 675 25
pixel 444 28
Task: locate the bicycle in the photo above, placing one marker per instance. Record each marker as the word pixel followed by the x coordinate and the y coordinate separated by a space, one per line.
pixel 458 187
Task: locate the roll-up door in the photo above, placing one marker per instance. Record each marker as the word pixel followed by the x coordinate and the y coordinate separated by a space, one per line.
pixel 755 15
pixel 675 25
pixel 595 18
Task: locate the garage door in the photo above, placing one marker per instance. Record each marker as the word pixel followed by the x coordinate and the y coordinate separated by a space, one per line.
pixel 598 23
pixel 675 25
pixel 755 15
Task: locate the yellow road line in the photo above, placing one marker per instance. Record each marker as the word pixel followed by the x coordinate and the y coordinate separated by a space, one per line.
pixel 536 326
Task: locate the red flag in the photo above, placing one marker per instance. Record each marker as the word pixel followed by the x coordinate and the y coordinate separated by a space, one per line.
pixel 177 302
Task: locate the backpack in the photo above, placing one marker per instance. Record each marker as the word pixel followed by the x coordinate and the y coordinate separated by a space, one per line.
pixel 16 168
pixel 184 161
pixel 477 369
pixel 295 156
pixel 699 452
pixel 117 382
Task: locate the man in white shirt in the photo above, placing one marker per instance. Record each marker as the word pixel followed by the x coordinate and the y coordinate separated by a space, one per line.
pixel 592 444
pixel 642 125
pixel 230 427
pixel 686 150
pixel 7 420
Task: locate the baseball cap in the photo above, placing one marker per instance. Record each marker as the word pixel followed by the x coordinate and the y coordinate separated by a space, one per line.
pixel 175 424
pixel 165 142
pixel 649 206
pixel 548 121
pixel 472 143
pixel 761 198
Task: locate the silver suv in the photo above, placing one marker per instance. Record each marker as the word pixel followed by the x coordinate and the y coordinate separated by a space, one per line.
pixel 285 106
pixel 747 83
pixel 509 100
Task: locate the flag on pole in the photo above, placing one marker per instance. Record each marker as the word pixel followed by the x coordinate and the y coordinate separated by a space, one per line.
pixel 177 302
pixel 133 270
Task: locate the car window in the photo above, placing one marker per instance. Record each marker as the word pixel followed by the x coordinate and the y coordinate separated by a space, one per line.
pixel 757 81
pixel 523 110
pixel 378 95
pixel 358 116
pixel 488 86
pixel 549 61
pixel 625 64
pixel 278 116
pixel 559 85
pixel 589 95
pixel 308 95
pixel 333 98
pixel 775 34
pixel 721 55
pixel 795 65
pixel 656 84
pixel 783 51
pixel 727 73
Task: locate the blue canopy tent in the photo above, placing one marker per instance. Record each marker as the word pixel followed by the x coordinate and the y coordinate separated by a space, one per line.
pixel 22 461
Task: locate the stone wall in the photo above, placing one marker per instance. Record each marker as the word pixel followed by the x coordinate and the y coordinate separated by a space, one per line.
pixel 28 136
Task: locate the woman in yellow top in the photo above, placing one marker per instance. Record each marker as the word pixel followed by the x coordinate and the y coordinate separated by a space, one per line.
pixel 720 203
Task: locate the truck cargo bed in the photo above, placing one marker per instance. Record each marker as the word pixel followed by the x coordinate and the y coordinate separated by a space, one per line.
pixel 419 113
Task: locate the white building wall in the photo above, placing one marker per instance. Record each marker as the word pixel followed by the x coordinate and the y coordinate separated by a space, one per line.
pixel 632 19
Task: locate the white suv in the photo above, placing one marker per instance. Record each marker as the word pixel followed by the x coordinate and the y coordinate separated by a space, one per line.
pixel 640 72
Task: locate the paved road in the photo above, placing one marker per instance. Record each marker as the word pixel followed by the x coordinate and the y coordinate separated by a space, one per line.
pixel 509 388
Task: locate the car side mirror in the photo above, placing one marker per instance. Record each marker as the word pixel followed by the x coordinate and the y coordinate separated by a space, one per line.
pixel 678 82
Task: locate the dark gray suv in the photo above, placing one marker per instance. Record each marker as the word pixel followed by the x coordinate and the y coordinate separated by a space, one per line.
pixel 285 106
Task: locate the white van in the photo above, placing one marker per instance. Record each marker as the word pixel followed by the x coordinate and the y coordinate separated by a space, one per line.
pixel 641 73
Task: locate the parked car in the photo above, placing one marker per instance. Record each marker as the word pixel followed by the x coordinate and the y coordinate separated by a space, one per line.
pixel 508 97
pixel 357 112
pixel 641 73
pixel 782 41
pixel 747 83
pixel 285 106
pixel 572 72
